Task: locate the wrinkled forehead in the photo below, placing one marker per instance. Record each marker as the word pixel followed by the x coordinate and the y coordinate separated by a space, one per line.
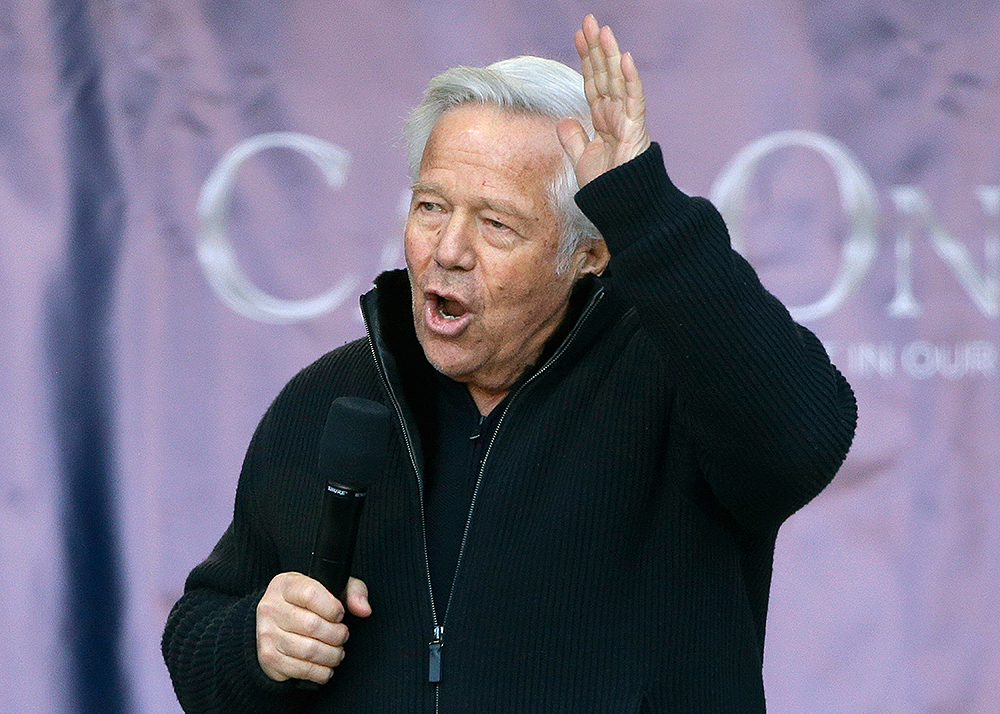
pixel 511 131
pixel 494 140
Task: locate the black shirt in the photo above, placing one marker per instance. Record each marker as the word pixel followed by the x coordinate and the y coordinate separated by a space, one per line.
pixel 453 466
pixel 455 450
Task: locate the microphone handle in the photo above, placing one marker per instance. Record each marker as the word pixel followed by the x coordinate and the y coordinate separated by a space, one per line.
pixel 333 549
pixel 336 536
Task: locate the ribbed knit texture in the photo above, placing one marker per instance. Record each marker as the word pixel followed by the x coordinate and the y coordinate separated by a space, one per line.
pixel 619 554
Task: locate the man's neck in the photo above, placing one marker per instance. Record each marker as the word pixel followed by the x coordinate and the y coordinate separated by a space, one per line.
pixel 486 399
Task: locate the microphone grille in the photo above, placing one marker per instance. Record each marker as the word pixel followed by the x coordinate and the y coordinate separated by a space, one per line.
pixel 354 445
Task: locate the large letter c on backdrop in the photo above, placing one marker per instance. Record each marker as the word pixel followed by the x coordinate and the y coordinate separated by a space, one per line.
pixel 216 253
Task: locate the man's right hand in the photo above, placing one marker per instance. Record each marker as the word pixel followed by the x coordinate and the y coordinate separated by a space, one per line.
pixel 299 630
pixel 617 106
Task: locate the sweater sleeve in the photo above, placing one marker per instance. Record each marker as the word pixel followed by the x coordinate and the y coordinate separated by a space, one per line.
pixel 210 641
pixel 771 416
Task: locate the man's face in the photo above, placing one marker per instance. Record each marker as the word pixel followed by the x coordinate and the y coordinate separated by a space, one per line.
pixel 481 245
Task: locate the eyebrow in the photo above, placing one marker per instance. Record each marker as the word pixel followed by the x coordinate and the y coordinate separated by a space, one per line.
pixel 423 186
pixel 497 205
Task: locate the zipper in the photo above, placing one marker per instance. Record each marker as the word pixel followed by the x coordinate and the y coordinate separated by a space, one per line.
pixel 436 644
pixel 437 640
pixel 482 469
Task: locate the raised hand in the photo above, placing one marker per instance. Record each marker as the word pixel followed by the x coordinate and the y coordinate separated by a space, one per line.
pixel 617 106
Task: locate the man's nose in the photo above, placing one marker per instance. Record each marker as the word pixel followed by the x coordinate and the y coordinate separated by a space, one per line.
pixel 455 249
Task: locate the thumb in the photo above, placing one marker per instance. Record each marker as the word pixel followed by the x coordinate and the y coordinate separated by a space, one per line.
pixel 356 598
pixel 573 138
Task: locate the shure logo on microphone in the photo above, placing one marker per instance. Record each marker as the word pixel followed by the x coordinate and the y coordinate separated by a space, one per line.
pixel 345 492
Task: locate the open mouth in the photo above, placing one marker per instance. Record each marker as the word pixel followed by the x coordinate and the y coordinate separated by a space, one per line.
pixel 448 308
pixel 446 315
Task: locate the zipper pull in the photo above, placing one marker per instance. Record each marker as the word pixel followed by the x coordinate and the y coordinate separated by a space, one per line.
pixel 479 428
pixel 434 663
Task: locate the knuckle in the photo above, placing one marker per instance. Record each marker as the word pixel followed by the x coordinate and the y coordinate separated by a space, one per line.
pixel 266 613
pixel 311 651
pixel 312 625
pixel 270 616
pixel 315 626
pixel 268 655
pixel 272 643
pixel 279 583
pixel 267 601
pixel 266 630
pixel 294 589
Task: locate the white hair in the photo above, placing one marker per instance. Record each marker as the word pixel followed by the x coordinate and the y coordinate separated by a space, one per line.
pixel 522 85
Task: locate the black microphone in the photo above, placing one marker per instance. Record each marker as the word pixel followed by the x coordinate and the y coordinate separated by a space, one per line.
pixel 352 452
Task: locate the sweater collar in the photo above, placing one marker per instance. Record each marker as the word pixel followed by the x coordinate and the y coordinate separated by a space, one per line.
pixel 408 376
pixel 389 317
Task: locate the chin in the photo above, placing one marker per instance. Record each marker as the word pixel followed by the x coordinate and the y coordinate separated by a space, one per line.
pixel 447 359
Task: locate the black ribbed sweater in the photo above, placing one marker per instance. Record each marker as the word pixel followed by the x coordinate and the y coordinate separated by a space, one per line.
pixel 618 558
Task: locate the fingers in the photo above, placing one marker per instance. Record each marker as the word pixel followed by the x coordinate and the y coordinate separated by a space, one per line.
pixel 304 592
pixel 613 59
pixel 617 104
pixel 299 630
pixel 635 97
pixel 297 657
pixel 586 69
pixel 601 60
pixel 596 56
pixel 302 622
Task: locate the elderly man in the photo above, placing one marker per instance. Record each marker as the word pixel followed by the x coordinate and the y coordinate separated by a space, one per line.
pixel 598 432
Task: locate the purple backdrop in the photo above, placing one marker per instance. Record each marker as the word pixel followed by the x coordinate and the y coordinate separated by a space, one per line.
pixel 853 146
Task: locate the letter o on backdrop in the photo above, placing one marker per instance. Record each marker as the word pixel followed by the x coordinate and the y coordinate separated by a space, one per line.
pixel 857 196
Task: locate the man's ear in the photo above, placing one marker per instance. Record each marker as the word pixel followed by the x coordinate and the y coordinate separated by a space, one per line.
pixel 593 258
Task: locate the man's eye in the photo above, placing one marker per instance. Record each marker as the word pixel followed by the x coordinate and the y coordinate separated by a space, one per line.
pixel 427 206
pixel 496 224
